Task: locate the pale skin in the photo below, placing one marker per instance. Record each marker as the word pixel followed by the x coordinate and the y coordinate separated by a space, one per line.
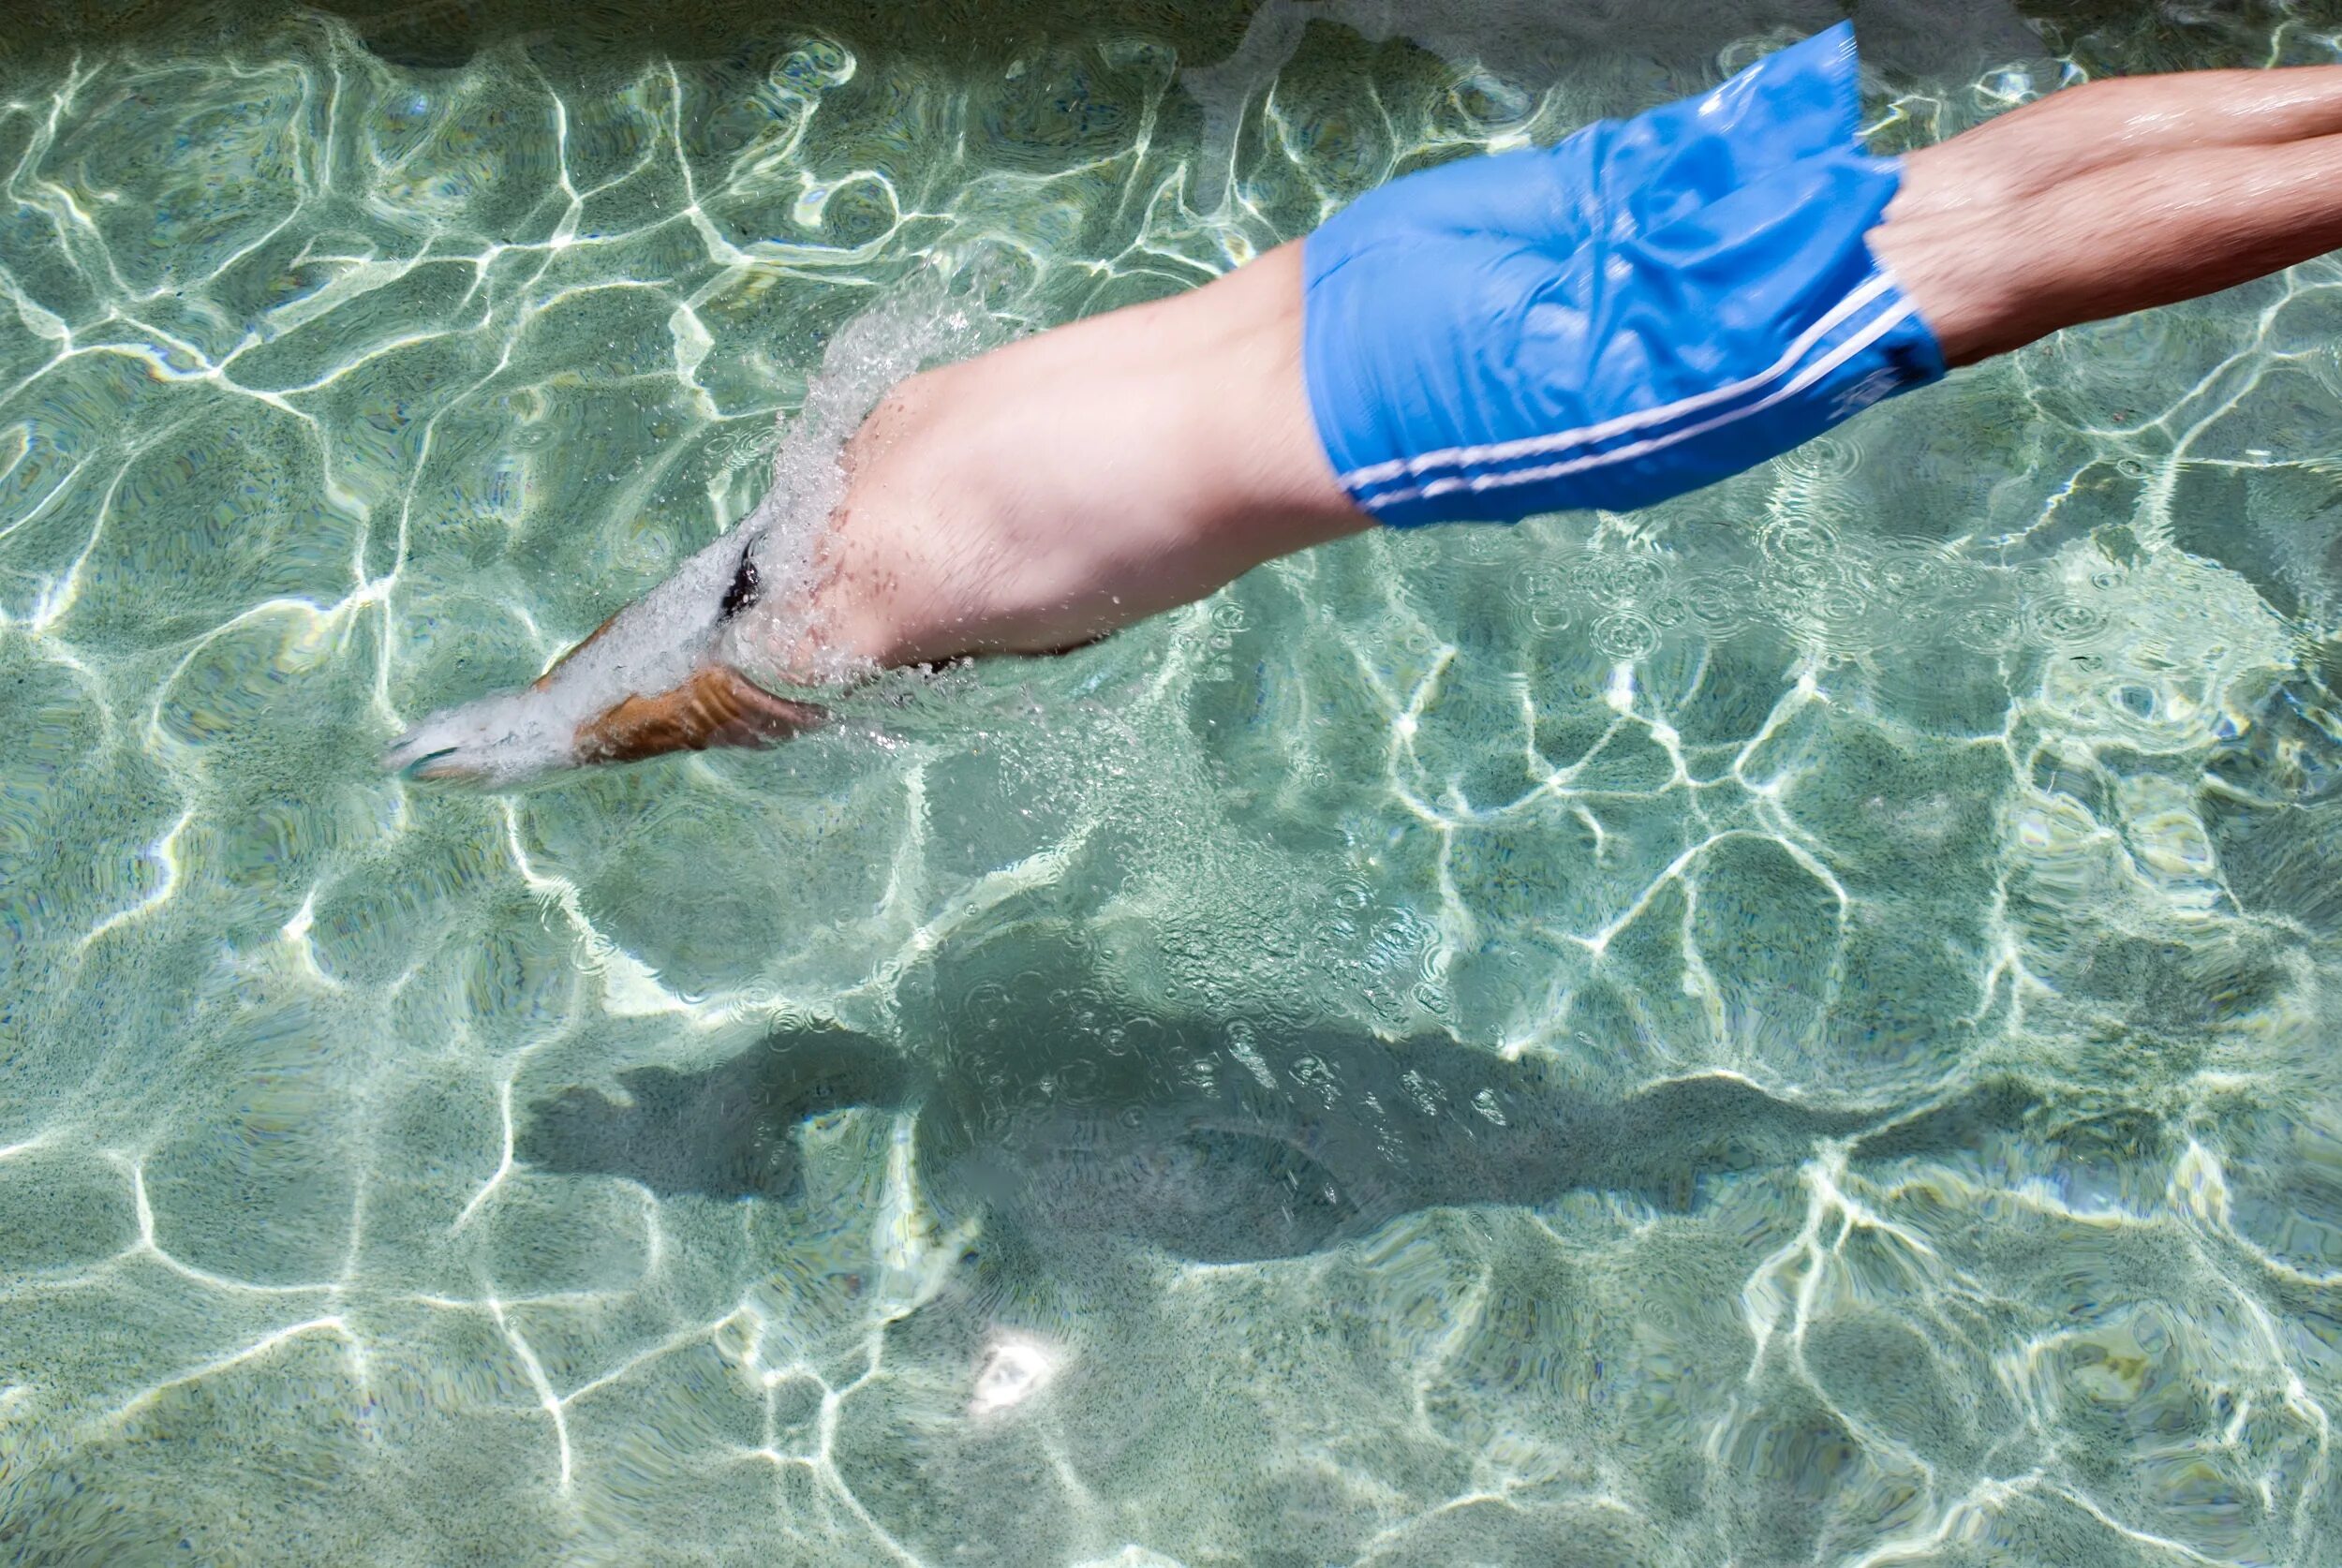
pixel 1052 491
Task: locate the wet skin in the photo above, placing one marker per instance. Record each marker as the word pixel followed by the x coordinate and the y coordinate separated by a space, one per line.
pixel 1045 493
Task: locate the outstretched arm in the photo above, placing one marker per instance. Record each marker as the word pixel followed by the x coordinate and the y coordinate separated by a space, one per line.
pixel 1047 493
pixel 1026 501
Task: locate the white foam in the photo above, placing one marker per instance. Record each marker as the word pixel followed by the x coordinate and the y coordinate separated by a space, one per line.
pixel 921 324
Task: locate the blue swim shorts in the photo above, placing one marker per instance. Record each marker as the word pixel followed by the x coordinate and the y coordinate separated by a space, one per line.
pixel 1646 307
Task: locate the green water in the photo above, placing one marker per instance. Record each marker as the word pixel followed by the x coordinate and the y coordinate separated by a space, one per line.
pixel 1791 1027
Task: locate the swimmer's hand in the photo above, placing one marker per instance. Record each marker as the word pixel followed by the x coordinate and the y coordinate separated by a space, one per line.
pixel 508 739
pixel 653 679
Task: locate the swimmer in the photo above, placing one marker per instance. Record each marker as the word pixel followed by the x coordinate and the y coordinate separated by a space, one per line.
pixel 1641 309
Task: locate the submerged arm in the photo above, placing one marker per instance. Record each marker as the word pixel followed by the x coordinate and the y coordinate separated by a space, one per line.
pixel 1026 501
pixel 1042 495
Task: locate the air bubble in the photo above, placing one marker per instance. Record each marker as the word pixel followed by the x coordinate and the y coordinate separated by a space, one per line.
pixel 1544 591
pixel 1483 544
pixel 1720 600
pixel 1625 579
pixel 1923 580
pixel 1824 457
pixel 1552 615
pixel 1625 635
pixel 2063 620
pixel 1841 605
pixel 1980 622
pixel 1805 544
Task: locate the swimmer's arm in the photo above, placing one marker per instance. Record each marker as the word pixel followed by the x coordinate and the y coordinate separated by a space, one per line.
pixel 1034 500
pixel 1053 491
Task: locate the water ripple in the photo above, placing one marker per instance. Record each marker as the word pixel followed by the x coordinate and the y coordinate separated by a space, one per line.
pixel 1788 1026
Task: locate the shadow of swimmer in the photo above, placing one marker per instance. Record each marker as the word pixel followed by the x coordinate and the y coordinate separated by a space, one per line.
pixel 1069 1125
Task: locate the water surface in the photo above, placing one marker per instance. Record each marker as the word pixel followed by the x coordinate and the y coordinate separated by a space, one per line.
pixel 1788 1028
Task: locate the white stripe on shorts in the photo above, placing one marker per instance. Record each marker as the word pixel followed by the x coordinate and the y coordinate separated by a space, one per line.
pixel 1532 446
pixel 1885 323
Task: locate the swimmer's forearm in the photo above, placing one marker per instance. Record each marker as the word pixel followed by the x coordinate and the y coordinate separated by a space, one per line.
pixel 1074 483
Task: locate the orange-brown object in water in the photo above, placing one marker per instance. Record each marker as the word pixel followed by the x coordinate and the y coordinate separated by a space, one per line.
pixel 716 707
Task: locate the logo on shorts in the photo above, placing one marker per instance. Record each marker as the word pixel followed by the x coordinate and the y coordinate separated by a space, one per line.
pixel 1852 400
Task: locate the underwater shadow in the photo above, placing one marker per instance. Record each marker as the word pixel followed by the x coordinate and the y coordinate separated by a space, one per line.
pixel 1072 1123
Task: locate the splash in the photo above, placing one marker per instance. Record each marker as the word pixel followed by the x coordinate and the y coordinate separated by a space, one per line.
pixel 656 644
pixel 922 323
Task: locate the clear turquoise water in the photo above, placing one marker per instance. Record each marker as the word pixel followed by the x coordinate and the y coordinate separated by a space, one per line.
pixel 1793 1027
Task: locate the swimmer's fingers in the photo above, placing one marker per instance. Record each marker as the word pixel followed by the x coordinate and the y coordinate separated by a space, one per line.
pixel 513 738
pixel 717 707
pixel 497 740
